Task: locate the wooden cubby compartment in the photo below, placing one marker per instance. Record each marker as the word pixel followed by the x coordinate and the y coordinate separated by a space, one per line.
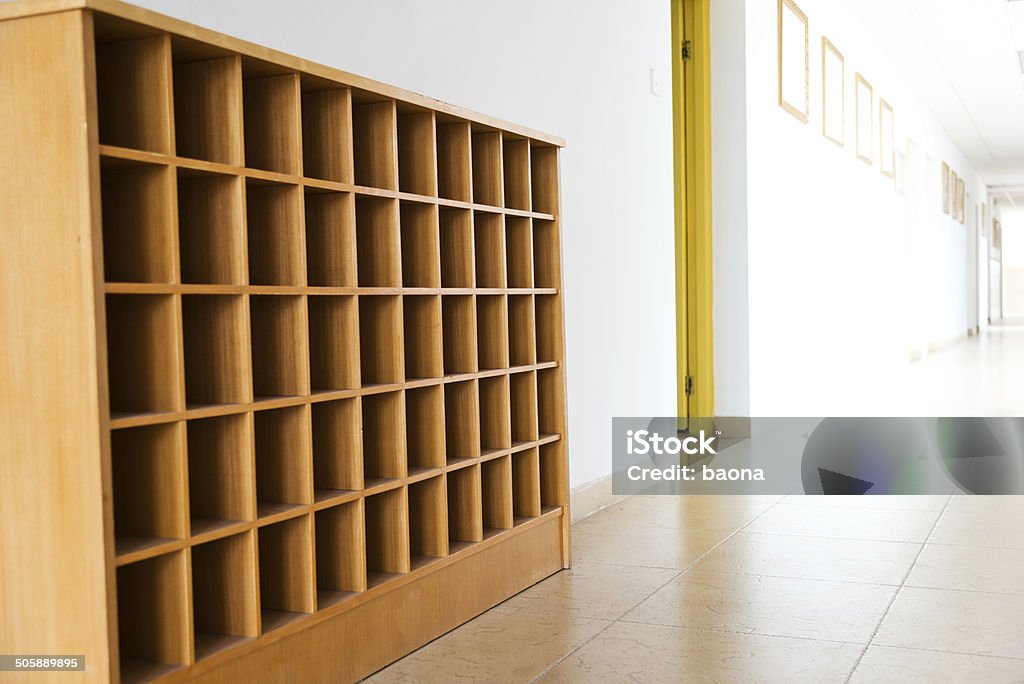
pixel 458 325
pixel 524 406
pixel 553 479
pixel 211 228
pixel 387 536
pixel 143 354
pixel 133 87
pixel 208 109
pixel 420 245
pixel 428 520
pixel 139 245
pixel 550 395
pixel 152 617
pixel 522 331
pixel 284 466
pixel 382 352
pixel 378 242
pixel 424 417
pixel 465 514
pixel 384 449
pixel 286 572
pixel 547 265
pixel 327 135
pixel 457 269
pixel 489 241
pixel 526 483
pixel 330 238
pixel 516 165
pixel 273 139
pixel 423 342
pixel 417 152
pixel 462 421
pixel 147 472
pixel 277 249
pixel 375 143
pixel 340 553
pixel 496 494
pixel 544 179
pixel 492 331
pixel 519 251
pixel 280 353
pixel 217 357
pixel 220 472
pixel 454 168
pixel 224 604
pixel 495 421
pixel 333 342
pixel 487 168
pixel 549 328
pixel 337 447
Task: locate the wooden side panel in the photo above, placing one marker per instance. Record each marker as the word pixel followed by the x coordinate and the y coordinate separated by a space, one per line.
pixel 52 455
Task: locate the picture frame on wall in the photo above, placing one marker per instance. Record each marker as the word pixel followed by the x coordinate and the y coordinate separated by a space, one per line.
pixel 962 200
pixel 794 64
pixel 886 147
pixel 863 103
pixel 945 188
pixel 833 93
pixel 997 234
pixel 954 212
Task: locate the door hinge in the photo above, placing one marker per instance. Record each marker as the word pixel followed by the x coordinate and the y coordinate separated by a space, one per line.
pixel 689 385
pixel 687 50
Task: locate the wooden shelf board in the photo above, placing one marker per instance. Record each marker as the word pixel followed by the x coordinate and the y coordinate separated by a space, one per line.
pixel 420 562
pixel 418 474
pixel 376 578
pixel 328 498
pixel 276 619
pixel 327 598
pixel 133 549
pixel 206 530
pixel 133 670
pixel 208 643
pixel 268 513
pixel 312 290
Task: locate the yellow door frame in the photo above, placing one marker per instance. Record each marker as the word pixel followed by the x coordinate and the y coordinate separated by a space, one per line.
pixel 691 128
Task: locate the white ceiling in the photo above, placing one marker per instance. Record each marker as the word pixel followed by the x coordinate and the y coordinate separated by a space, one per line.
pixel 962 57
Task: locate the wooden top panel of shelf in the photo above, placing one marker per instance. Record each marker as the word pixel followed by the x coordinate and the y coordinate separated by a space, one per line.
pixel 161 22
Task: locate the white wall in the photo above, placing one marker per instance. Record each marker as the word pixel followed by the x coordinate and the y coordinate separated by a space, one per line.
pixel 576 69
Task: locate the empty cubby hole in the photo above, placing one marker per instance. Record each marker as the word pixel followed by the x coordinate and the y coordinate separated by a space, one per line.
pixel 387 536
pixel 337 447
pixel 217 362
pixel 378 242
pixel 340 553
pixel 519 251
pixel 465 517
pixel 489 241
pixel 551 401
pixel 284 462
pixel 286 572
pixel 458 325
pixel 330 238
pixel 417 166
pixel 526 483
pixel 208 109
pixel 220 471
pixel 333 342
pixel 420 245
pixel 273 139
pixel 428 520
pixel 224 593
pixel 457 268
pixel 280 353
pixel 492 331
pixel 424 418
pixel 137 203
pixel 142 354
pixel 487 168
pixel 147 465
pixel 495 422
pixel 133 89
pixel 454 175
pixel 277 249
pixel 496 493
pixel 549 328
pixel 374 141
pixel 327 135
pixel 384 453
pixel 382 354
pixel 522 335
pixel 461 421
pixel 516 165
pixel 152 617
pixel 547 263
pixel 423 351
pixel 552 474
pixel 211 228
pixel 544 179
pixel 524 406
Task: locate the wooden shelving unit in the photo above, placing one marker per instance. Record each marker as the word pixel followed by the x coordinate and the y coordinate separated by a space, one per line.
pixel 288 355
